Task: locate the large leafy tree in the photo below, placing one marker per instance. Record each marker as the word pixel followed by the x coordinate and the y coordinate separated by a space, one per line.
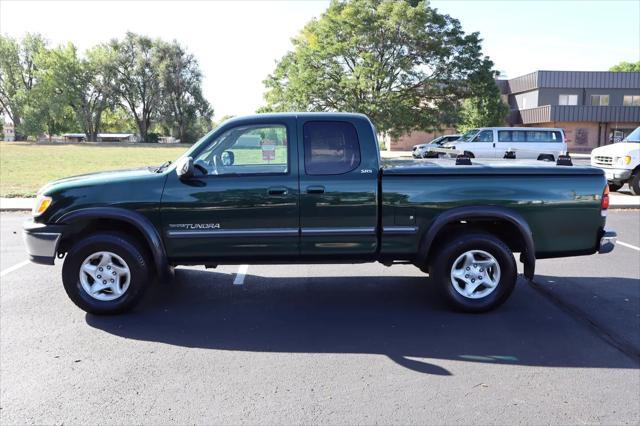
pixel 183 108
pixel 18 75
pixel 402 63
pixel 137 60
pixel 626 67
pixel 85 84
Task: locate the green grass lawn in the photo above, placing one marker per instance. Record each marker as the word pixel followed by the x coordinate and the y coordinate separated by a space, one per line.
pixel 26 166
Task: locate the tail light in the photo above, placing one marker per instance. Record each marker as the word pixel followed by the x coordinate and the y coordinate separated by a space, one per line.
pixel 605 198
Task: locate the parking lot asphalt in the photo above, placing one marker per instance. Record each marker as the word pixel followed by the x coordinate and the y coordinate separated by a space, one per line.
pixel 329 344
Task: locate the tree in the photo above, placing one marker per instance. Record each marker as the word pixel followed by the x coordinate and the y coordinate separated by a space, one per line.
pixel 626 67
pixel 485 108
pixel 183 106
pixel 17 75
pixel 137 62
pixel 402 63
pixel 118 120
pixel 85 84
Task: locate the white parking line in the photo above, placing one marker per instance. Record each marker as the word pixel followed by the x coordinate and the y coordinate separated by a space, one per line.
pixel 242 271
pixel 14 267
pixel 629 246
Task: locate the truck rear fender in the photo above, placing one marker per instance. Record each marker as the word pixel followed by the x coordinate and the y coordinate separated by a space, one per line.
pixel 78 219
pixel 479 218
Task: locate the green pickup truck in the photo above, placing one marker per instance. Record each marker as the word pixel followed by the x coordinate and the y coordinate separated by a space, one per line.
pixel 311 188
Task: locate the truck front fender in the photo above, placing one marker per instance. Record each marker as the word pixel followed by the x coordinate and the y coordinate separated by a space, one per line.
pixel 141 223
pixel 455 215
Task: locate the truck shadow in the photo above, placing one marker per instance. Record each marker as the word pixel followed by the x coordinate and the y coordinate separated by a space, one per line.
pixel 401 317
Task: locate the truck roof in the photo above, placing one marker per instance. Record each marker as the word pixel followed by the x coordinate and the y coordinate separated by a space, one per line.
pixel 293 114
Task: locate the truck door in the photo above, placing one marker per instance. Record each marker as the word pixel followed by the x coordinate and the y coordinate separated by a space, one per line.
pixel 338 167
pixel 246 205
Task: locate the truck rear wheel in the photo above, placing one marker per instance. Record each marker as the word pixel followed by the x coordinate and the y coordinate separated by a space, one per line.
pixel 475 272
pixel 106 273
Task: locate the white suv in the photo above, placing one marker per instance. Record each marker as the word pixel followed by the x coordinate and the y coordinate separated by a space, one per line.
pixel 527 142
pixel 620 162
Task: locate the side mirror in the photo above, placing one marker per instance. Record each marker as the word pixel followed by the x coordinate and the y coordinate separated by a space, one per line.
pixel 228 158
pixel 184 167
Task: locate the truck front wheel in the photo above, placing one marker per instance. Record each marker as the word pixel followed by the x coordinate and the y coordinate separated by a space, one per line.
pixel 476 272
pixel 106 273
pixel 613 186
pixel 634 183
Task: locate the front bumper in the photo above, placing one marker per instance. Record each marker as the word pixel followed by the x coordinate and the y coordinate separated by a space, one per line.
pixel 617 175
pixel 42 241
pixel 607 242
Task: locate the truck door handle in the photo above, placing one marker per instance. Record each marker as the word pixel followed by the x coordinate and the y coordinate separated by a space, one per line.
pixel 277 190
pixel 316 189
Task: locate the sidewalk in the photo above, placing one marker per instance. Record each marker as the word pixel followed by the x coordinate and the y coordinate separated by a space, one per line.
pixel 623 200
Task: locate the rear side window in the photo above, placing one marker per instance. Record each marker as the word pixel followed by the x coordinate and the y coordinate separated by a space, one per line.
pixel 330 147
pixel 544 136
pixel 530 136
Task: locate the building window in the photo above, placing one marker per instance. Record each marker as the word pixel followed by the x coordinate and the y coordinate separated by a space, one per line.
pixel 599 100
pixel 631 100
pixel 568 100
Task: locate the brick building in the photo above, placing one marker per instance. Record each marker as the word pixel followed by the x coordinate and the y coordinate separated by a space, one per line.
pixel 593 108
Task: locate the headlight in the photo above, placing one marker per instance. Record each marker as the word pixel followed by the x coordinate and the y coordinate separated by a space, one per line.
pixel 623 161
pixel 41 205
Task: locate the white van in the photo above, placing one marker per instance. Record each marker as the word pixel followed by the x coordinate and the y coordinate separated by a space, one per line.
pixel 527 142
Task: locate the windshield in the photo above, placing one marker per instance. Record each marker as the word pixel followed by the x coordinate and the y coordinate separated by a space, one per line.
pixel 633 136
pixel 438 140
pixel 468 136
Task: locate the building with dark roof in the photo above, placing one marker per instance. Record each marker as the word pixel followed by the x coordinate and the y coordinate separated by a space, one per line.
pixel 593 107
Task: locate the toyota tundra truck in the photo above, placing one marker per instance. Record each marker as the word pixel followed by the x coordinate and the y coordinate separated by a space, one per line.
pixel 311 188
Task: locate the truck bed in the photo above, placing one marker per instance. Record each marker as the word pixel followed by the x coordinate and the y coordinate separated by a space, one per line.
pixel 560 203
pixel 482 167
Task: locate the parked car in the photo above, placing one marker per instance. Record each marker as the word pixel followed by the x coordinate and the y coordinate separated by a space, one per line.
pixel 422 151
pixel 323 196
pixel 620 162
pixel 526 142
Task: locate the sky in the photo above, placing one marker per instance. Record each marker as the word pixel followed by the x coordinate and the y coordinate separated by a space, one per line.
pixel 238 43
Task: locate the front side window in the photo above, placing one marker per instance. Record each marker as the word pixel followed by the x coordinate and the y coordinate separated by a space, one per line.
pixel 484 136
pixel 599 100
pixel 247 150
pixel 631 100
pixel 330 148
pixel 468 136
pixel 568 100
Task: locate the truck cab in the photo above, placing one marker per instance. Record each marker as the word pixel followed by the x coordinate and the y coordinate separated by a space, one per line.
pixel 307 188
pixel 620 162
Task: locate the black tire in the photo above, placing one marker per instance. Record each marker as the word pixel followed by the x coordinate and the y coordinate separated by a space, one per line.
pixel 441 267
pixel 634 183
pixel 613 187
pixel 123 246
pixel 546 157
